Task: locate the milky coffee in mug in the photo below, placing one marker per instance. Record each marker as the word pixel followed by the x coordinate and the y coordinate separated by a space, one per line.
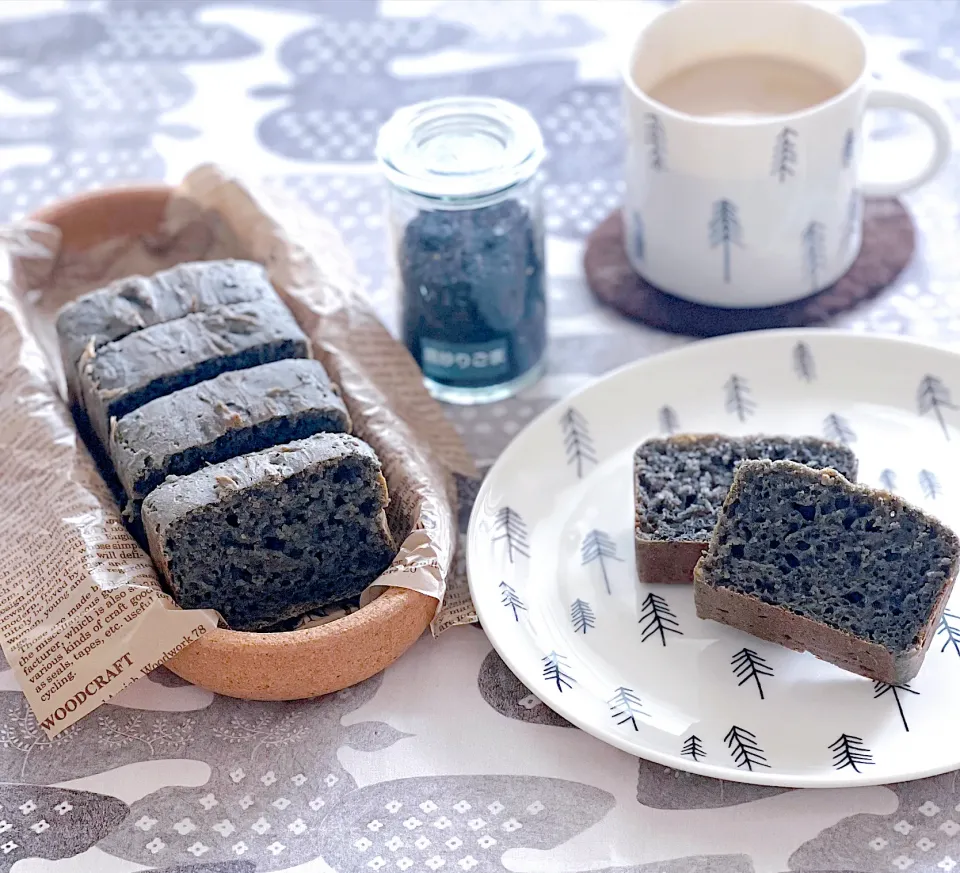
pixel 744 125
pixel 745 86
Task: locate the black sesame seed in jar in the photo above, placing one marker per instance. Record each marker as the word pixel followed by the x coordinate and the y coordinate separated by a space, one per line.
pixel 474 306
pixel 466 219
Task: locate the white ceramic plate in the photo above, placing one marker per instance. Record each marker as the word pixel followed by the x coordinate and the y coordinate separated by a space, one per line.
pixel 552 570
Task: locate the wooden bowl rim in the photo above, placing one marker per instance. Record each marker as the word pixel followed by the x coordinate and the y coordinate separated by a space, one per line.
pixel 383 610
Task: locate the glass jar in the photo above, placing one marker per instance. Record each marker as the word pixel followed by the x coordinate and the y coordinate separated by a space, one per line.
pixel 467 223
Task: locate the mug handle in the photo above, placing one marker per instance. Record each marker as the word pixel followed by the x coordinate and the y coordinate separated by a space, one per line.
pixel 937 119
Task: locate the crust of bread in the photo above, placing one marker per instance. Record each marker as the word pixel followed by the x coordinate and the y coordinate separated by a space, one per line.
pixel 668 562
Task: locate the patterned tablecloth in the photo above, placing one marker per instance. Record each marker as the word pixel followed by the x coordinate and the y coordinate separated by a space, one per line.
pixel 445 762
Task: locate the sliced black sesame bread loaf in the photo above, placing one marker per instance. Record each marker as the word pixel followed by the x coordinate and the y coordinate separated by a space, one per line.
pixel 680 483
pixel 807 559
pixel 131 304
pixel 270 535
pixel 233 414
pixel 123 375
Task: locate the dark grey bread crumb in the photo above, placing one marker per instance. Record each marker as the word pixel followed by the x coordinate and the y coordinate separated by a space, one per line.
pixel 136 302
pixel 680 483
pixel 809 560
pixel 233 414
pixel 158 360
pixel 273 534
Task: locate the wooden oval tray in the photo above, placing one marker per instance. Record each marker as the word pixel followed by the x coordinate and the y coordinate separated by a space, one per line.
pixel 256 666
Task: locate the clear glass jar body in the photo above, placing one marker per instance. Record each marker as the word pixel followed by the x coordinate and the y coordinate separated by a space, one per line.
pixel 470 269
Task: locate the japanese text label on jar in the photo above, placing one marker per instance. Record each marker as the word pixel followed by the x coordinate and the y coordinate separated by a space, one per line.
pixel 467 224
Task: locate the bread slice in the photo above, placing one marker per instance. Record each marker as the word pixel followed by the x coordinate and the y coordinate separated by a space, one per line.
pixel 136 302
pixel 235 413
pixel 271 535
pixel 680 483
pixel 807 559
pixel 127 373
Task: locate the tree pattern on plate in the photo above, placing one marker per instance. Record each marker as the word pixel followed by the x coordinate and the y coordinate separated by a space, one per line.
pixel 577 442
pixel 626 707
pixel 510 529
pixel 949 629
pixel 888 479
pixel 804 364
pixel 850 751
pixel 929 484
pixel 598 548
pixel 693 748
pixel 738 399
pixel 837 428
pixel 657 619
pixel 669 420
pixel 555 671
pixel 750 666
pixel 744 749
pixel 511 600
pixel 882 689
pixel 933 397
pixel 582 616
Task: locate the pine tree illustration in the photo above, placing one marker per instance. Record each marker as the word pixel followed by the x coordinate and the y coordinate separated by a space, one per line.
pixel 837 428
pixel 597 547
pixel 849 751
pixel 744 750
pixel 950 631
pixel 639 246
pixel 577 441
pixel 852 220
pixel 669 421
pixel 581 614
pixel 882 688
pixel 510 599
pixel 738 397
pixel 933 396
pixel 626 706
pixel 803 363
pixel 554 671
pixel 888 479
pixel 693 748
pixel 814 260
pixel 655 137
pixel 748 664
pixel 784 154
pixel 510 528
pixel 656 617
pixel 849 142
pixel 725 231
pixel 929 485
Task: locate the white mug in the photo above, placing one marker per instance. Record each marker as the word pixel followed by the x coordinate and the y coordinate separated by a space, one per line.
pixel 762 210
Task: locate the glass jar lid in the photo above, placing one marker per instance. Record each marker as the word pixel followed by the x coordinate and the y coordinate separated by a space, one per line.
pixel 460 147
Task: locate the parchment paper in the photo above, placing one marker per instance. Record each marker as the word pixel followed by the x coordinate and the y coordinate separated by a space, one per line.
pixel 82 614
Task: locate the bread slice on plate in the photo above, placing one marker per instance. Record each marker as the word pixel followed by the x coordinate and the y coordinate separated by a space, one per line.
pixel 805 558
pixel 680 483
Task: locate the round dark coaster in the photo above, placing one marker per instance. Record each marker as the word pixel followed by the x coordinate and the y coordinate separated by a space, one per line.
pixel 888 243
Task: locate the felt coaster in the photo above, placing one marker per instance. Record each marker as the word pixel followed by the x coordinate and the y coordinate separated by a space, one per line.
pixel 888 244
